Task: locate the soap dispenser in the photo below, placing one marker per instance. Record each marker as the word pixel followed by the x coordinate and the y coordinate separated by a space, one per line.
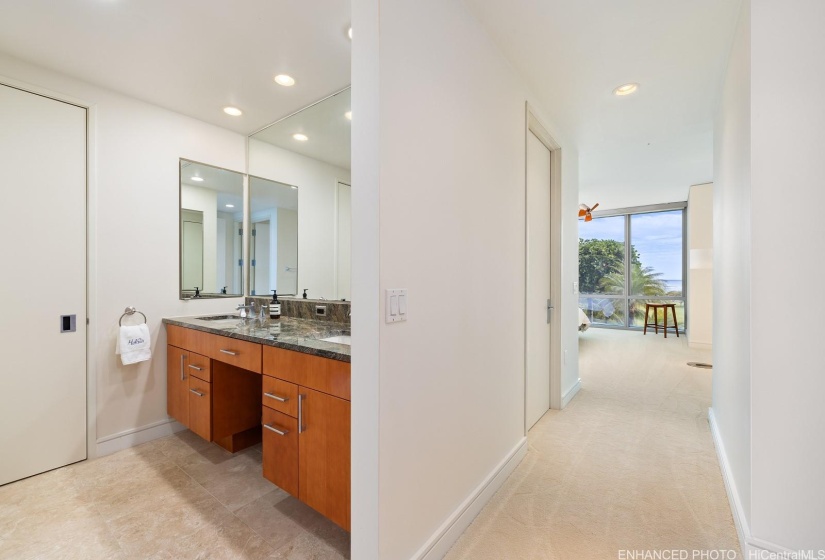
pixel 275 306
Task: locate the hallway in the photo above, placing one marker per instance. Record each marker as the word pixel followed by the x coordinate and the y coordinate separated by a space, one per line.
pixel 628 465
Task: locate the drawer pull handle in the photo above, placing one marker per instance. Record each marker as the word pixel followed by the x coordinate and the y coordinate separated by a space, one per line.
pixel 276 430
pixel 301 427
pixel 230 352
pixel 276 397
pixel 196 367
pixel 198 393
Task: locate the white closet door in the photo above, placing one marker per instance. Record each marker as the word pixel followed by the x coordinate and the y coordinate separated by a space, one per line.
pixel 43 377
pixel 538 279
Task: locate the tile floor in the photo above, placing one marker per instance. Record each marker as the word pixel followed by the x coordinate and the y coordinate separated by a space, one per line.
pixel 176 498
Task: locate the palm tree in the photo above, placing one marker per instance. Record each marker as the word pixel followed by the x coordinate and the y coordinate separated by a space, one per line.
pixel 643 282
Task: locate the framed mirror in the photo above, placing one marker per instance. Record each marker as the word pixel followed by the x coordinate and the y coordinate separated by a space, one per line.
pixel 211 224
pixel 273 240
pixel 311 151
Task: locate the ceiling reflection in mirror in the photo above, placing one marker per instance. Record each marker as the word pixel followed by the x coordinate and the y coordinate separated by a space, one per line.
pixel 311 150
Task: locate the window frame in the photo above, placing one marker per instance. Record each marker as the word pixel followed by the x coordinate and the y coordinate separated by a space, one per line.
pixel 627 297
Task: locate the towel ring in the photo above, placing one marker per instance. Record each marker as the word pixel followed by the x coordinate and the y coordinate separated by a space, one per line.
pixel 130 311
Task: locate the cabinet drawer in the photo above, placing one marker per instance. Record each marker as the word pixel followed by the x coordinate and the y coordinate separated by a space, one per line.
pixel 280 448
pixel 280 395
pixel 200 407
pixel 199 366
pixel 238 353
pixel 322 374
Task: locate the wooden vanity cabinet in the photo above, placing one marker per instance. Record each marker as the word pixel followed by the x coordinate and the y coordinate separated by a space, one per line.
pixel 280 448
pixel 177 385
pixel 188 391
pixel 324 455
pixel 317 403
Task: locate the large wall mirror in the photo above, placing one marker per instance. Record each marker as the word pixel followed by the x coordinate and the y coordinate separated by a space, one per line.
pixel 307 154
pixel 211 221
pixel 273 243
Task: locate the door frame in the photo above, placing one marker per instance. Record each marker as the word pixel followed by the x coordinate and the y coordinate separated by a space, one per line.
pixel 91 245
pixel 532 124
pixel 335 236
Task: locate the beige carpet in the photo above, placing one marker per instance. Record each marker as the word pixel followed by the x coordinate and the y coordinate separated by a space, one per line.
pixel 628 465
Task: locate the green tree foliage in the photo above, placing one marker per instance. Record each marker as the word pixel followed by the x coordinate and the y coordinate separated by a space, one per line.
pixel 599 258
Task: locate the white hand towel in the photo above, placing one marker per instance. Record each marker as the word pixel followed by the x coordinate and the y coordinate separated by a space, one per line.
pixel 134 344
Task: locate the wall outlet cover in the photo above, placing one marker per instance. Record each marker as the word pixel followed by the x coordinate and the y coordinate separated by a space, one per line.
pixel 395 306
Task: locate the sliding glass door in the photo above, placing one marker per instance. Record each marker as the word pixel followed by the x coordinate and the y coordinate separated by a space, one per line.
pixel 629 259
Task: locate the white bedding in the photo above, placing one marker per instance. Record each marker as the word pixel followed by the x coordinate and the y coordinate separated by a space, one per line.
pixel 584 322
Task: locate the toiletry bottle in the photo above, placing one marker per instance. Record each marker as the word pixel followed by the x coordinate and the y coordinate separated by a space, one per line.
pixel 275 306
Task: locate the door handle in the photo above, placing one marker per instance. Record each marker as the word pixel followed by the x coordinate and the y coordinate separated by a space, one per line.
pixel 549 310
pixel 182 375
pixel 198 393
pixel 301 427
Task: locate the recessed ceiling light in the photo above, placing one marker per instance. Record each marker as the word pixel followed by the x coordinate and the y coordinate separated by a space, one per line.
pixel 285 80
pixel 197 179
pixel 626 89
pixel 230 206
pixel 348 114
pixel 349 33
pixel 234 111
pixel 294 187
pixel 300 137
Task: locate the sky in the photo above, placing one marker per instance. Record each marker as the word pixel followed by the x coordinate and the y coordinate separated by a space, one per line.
pixel 657 237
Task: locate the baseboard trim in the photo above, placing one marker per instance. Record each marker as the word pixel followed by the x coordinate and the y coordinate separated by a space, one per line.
pixel 750 545
pixel 568 396
pixel 443 539
pixel 135 436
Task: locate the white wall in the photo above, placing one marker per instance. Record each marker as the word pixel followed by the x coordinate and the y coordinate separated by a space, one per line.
pixel 449 205
pixel 316 182
pixel 134 232
pixel 788 376
pixel 768 382
pixel 732 263
pixel 700 266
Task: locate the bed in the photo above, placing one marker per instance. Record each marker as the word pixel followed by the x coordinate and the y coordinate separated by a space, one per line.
pixel 584 322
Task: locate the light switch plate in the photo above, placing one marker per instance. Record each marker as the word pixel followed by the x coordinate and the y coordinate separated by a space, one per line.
pixel 395 308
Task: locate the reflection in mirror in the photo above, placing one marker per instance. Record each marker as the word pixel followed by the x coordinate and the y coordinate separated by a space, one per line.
pixel 211 219
pixel 273 245
pixel 311 150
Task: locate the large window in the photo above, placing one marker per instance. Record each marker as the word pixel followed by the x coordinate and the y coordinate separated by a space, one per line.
pixel 629 259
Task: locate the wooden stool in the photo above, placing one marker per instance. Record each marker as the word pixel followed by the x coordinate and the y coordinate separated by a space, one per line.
pixel 655 307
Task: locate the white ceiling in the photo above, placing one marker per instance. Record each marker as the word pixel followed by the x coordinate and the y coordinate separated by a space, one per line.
pixel 325 124
pixel 192 56
pixel 644 148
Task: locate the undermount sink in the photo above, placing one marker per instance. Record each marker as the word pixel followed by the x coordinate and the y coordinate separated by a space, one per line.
pixel 218 318
pixel 342 339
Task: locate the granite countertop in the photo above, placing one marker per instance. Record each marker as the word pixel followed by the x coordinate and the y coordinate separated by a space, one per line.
pixel 300 335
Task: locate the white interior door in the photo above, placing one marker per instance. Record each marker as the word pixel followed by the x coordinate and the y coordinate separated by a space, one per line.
pixel 43 377
pixel 192 249
pixel 343 265
pixel 538 280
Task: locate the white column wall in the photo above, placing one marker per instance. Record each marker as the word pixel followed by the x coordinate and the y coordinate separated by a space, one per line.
pixel 444 218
